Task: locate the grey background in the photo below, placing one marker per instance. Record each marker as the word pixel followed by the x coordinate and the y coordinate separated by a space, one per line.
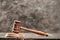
pixel 43 15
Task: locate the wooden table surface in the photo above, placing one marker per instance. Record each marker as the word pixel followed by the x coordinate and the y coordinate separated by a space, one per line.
pixel 32 35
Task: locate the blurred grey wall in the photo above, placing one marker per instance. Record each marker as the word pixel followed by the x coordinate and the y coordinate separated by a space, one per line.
pixel 41 15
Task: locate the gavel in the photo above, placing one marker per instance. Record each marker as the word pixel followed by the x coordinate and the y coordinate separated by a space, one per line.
pixel 15 31
pixel 17 27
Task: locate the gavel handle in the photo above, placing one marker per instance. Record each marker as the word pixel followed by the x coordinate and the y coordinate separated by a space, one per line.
pixel 34 31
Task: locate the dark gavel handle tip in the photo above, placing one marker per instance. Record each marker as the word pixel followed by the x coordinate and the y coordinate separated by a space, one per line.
pixel 46 35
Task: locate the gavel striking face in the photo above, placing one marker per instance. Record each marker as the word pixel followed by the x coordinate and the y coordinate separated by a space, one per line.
pixel 16 27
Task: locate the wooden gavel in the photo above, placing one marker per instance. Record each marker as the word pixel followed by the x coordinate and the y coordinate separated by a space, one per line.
pixel 17 27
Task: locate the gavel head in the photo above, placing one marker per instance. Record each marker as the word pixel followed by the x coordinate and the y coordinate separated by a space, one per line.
pixel 16 26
